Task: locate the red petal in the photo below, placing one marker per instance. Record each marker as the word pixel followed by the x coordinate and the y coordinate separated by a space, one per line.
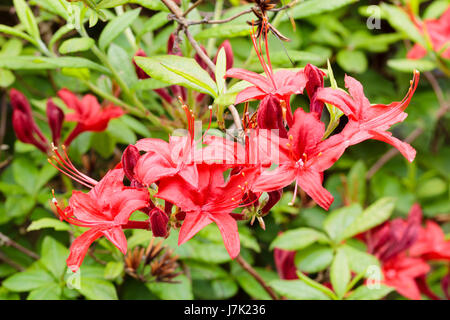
pixel 274 180
pixel 229 231
pixel 117 238
pixel 193 223
pixel 311 182
pixel 405 149
pixel 254 78
pixel 80 246
pixel 250 93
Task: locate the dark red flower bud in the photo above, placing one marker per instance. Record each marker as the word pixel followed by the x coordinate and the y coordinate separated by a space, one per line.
pixel 55 118
pixel 140 73
pixel 228 53
pixel 130 157
pixel 284 262
pixel 274 197
pixel 270 115
pixel 315 81
pixel 24 125
pixel 159 221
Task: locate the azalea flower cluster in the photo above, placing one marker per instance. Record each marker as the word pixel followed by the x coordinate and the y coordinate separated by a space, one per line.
pixel 404 248
pixel 201 179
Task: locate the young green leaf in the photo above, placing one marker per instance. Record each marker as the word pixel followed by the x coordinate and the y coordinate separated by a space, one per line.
pixel 76 45
pixel 26 17
pixel 340 272
pixel 374 215
pixel 297 239
pixel 297 290
pixel 53 256
pixel 116 26
pixel 178 70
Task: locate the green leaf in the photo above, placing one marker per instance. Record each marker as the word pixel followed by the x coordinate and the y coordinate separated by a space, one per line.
pixel 48 223
pixel 352 61
pixel 182 71
pixel 103 143
pixel 374 215
pixel 297 290
pixel 297 239
pixel 57 7
pixel 16 33
pixel 431 188
pixel 51 291
pixel 43 63
pixel 122 62
pixel 359 260
pixel 113 269
pixel 224 31
pixel 315 7
pixel 172 291
pixel 97 289
pixel 365 293
pixel 221 68
pixel 76 45
pixel 338 221
pixel 408 65
pixel 53 256
pixel 340 272
pixel 216 289
pixel 26 17
pixel 314 258
pixel 28 280
pixel 25 174
pixel 400 20
pixel 7 78
pixel 116 26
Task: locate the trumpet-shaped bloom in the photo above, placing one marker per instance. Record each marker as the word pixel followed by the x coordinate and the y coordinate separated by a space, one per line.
pixel 368 121
pixel 302 158
pixel 212 200
pixel 88 115
pixel 105 210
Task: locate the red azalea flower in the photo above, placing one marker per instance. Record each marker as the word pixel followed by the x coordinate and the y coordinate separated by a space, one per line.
pixel 368 121
pixel 302 158
pixel 212 200
pixel 89 115
pixel 281 84
pixel 105 210
pixel 438 31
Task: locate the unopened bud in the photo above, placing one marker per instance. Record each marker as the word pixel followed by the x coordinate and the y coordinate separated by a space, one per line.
pixel 55 118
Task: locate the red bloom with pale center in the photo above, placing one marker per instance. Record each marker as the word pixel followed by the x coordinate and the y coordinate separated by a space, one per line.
pixel 212 200
pixel 302 158
pixel 89 115
pixel 105 210
pixel 438 31
pixel 368 121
